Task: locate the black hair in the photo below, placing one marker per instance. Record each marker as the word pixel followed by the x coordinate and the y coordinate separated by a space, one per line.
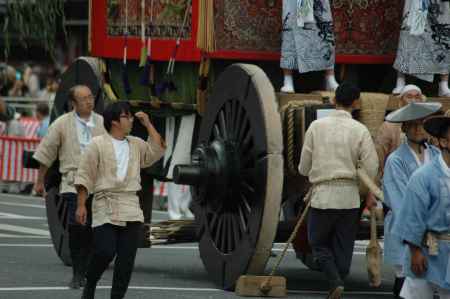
pixel 43 109
pixel 443 131
pixel 346 94
pixel 113 112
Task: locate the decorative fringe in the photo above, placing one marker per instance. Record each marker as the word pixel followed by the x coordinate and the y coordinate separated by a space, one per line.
pixel 125 79
pixel 205 35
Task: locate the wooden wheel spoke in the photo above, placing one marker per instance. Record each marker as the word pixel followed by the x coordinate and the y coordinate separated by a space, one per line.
pixel 217 232
pixel 246 205
pixel 242 220
pixel 236 231
pixel 229 117
pixel 229 233
pixel 243 130
pixel 253 173
pixel 248 191
pixel 239 120
pixel 223 125
pixel 235 109
pixel 216 132
pixel 223 234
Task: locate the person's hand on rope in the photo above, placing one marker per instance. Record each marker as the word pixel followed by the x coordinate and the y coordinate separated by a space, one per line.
pixel 371 201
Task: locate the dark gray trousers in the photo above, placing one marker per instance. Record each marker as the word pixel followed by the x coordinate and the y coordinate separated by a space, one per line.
pixel 112 241
pixel 331 234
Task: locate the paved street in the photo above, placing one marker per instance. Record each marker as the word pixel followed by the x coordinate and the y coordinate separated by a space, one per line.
pixel 31 269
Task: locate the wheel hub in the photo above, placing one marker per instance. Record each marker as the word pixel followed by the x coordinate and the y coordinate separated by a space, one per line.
pixel 215 170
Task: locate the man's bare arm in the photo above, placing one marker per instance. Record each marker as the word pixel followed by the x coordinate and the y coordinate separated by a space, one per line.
pixel 154 135
pixel 81 212
pixel 39 185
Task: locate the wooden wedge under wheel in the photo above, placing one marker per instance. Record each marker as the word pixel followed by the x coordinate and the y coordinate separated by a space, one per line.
pixel 237 175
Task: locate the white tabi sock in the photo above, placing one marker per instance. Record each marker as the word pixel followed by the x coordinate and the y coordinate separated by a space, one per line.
pixel 444 91
pixel 401 82
pixel 288 86
pixel 331 83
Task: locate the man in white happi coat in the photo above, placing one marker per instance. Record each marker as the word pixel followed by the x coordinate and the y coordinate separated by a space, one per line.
pixel 66 140
pixel 334 147
pixel 110 170
pixel 307 41
pixel 424 44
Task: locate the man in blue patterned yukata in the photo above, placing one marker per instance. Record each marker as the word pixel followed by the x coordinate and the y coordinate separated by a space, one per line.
pixel 425 221
pixel 424 43
pixel 400 165
pixel 308 43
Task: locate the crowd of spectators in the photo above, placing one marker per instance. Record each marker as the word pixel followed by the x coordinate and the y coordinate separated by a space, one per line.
pixel 32 120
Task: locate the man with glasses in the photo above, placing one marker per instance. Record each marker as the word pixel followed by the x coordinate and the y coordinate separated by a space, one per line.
pixel 110 170
pixel 66 140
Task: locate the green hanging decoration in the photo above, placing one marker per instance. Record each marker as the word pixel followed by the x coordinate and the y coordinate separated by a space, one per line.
pixel 33 20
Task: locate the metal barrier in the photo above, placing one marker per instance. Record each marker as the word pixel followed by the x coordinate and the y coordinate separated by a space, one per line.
pixel 26 102
pixel 11 164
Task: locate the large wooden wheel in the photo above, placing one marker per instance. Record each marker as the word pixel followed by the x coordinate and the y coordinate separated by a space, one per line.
pixel 237 175
pixel 57 218
pixel 84 70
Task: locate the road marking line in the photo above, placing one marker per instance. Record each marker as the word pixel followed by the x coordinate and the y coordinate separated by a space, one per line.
pixel 17 216
pixel 15 289
pixel 26 245
pixel 153 247
pixel 109 287
pixel 15 204
pixel 160 212
pixel 7 236
pixel 23 229
pixel 22 197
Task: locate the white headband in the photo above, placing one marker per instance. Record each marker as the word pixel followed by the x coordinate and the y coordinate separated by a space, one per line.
pixel 408 88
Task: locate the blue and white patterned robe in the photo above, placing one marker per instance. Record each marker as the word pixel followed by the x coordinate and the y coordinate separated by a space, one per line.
pixel 424 44
pixel 399 167
pixel 428 209
pixel 307 40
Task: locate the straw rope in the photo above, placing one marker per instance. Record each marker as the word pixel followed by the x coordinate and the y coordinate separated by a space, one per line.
pixel 288 111
pixel 373 109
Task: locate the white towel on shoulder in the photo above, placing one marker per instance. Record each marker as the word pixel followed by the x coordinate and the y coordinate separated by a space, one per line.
pixel 305 12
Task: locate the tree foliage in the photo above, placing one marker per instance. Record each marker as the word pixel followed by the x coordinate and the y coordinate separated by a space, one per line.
pixel 33 20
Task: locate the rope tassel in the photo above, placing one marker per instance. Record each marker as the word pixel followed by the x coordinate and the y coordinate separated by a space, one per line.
pixel 124 69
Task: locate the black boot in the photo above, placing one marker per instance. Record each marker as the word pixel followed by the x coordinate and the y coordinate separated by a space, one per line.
pixel 398 284
pixel 88 291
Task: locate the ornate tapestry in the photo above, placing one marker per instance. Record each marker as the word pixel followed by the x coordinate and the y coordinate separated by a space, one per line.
pixel 362 27
pixel 168 16
pixel 367 27
pixel 248 25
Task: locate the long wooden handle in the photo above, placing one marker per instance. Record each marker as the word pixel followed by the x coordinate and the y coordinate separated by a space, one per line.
pixel 265 286
pixel 364 177
pixel 373 225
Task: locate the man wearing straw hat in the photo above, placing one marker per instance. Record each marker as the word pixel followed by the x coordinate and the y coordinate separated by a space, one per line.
pixel 334 147
pixel 400 165
pixel 389 134
pixel 425 224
